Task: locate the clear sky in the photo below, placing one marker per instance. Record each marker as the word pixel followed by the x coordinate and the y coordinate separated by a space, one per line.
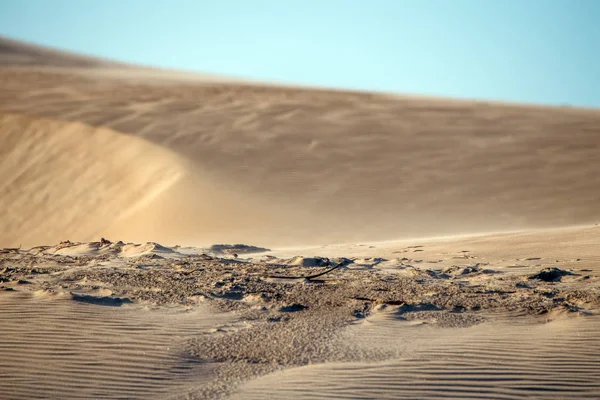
pixel 533 51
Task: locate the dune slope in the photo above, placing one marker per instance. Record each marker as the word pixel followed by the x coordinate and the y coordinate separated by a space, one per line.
pixel 345 166
pixel 65 180
pixel 90 149
pixel 70 181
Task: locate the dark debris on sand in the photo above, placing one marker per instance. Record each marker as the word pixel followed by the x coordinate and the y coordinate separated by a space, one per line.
pixel 551 274
pixel 236 249
pixel 295 322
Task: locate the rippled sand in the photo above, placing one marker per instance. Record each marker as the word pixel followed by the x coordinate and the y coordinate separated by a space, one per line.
pixel 464 234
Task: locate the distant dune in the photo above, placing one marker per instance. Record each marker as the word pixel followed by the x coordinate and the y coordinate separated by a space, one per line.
pixel 224 161
pixel 21 54
pixel 92 150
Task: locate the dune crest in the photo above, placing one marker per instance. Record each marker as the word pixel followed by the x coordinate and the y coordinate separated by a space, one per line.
pixel 312 166
pixel 70 180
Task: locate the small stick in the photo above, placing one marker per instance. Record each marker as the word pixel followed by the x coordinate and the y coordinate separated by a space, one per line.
pixel 10 250
pixel 309 277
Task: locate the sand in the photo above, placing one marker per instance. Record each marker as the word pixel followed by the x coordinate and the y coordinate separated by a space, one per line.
pixel 430 321
pixel 465 234
pixel 272 163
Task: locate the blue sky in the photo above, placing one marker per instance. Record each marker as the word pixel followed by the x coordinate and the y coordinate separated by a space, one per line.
pixel 532 51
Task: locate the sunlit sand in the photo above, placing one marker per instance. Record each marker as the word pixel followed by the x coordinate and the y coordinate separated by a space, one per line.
pixel 464 233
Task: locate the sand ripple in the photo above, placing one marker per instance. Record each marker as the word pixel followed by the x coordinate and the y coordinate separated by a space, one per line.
pixel 54 347
pixel 509 360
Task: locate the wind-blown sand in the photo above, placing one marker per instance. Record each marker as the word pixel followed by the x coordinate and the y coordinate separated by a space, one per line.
pixel 358 166
pixel 465 233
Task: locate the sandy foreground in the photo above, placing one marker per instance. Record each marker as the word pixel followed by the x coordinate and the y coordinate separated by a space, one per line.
pixel 480 317
pixel 464 234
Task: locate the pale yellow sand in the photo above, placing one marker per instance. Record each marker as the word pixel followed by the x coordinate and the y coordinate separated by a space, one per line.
pixel 71 181
pixel 92 149
pixel 570 247
pixel 318 166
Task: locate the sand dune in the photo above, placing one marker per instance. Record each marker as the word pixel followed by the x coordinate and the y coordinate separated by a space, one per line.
pixel 415 201
pixel 66 180
pixel 74 182
pixel 346 166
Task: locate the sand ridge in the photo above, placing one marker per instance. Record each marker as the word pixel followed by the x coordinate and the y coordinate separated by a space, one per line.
pixel 68 179
pixel 317 166
pixel 453 244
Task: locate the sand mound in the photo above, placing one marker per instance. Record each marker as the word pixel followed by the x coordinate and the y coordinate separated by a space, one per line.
pixel 132 250
pixel 320 166
pixel 304 165
pixel 105 247
pixel 70 181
